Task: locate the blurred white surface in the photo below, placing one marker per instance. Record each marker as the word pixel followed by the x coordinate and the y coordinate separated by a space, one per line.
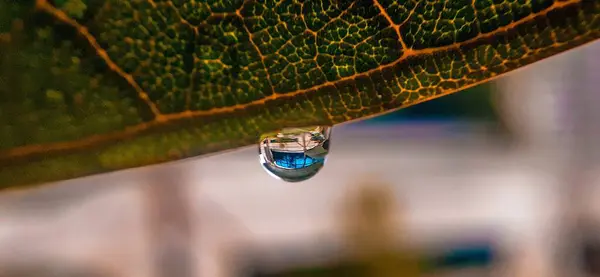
pixel 444 188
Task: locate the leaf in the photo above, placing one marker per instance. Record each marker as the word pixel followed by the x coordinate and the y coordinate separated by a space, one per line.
pixel 74 8
pixel 139 82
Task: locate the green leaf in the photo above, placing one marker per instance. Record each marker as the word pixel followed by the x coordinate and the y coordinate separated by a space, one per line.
pixel 117 84
pixel 75 8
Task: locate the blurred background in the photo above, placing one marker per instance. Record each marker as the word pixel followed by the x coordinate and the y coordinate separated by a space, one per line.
pixel 499 180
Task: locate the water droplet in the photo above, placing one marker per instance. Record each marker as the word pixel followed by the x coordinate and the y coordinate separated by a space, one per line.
pixel 294 154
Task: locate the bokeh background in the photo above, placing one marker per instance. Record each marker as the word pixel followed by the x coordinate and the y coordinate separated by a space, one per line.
pixel 499 180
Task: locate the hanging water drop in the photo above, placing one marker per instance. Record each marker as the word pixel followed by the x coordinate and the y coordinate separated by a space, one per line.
pixel 294 154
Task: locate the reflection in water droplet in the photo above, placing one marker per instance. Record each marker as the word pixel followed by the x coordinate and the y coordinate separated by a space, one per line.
pixel 294 154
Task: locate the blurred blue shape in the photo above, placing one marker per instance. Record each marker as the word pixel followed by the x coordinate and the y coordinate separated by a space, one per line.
pixel 462 257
